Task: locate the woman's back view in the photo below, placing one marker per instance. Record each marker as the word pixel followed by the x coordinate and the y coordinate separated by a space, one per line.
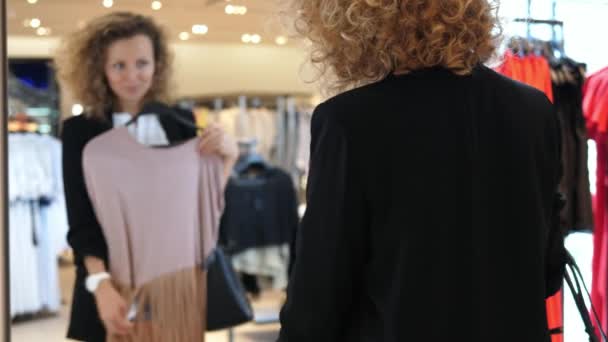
pixel 431 203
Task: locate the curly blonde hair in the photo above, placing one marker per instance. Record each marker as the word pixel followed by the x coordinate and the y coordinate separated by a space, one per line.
pixel 362 41
pixel 80 60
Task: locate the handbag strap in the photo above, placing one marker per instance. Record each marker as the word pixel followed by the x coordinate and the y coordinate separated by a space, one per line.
pixel 579 299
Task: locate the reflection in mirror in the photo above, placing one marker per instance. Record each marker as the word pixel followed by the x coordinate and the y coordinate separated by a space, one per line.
pixel 109 232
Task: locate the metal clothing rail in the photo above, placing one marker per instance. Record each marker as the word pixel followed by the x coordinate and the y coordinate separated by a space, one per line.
pixel 556 25
pixel 550 22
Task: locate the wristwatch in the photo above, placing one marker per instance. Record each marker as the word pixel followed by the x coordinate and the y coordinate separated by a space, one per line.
pixel 93 280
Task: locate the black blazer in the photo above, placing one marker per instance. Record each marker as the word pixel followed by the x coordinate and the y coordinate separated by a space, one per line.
pixel 431 214
pixel 85 235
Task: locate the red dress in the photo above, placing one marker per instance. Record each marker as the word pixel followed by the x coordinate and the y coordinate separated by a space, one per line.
pixel 595 105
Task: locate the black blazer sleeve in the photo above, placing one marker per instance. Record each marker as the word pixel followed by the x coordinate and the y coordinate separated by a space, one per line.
pixel 85 235
pixel 331 242
pixel 556 251
pixel 176 131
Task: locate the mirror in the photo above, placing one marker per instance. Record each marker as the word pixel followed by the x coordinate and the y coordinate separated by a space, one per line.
pixel 233 66
pixel 69 165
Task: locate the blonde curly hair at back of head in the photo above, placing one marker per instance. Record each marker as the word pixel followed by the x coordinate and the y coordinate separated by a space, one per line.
pixel 362 41
pixel 80 60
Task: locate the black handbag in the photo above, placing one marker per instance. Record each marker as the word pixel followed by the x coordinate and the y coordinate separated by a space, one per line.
pixel 227 302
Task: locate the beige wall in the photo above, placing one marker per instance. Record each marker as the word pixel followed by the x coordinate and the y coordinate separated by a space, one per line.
pixel 202 69
pixel 233 68
pixel 211 68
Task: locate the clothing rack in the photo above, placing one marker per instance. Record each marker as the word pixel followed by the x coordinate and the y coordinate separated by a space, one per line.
pixel 242 99
pixel 554 24
pixel 282 104
pixel 551 22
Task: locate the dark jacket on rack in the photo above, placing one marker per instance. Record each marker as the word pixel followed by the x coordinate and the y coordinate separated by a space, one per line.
pixel 568 80
pixel 432 214
pixel 85 235
pixel 260 212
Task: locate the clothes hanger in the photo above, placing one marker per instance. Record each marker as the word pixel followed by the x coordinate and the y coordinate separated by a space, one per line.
pixel 249 158
pixel 160 109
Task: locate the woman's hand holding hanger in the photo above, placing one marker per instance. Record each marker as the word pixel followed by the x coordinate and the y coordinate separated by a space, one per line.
pixel 215 140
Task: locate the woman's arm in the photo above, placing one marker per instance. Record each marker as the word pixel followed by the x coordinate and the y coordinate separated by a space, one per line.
pixel 331 243
pixel 85 235
pixel 555 251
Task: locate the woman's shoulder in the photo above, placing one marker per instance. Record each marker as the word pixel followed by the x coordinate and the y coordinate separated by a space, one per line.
pixel 510 87
pixel 83 120
pixel 519 99
pixel 183 112
pixel 82 128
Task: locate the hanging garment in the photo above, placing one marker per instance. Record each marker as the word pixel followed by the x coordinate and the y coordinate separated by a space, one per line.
pixel 260 212
pixel 38 222
pixel 595 105
pixel 271 262
pixel 258 124
pixel 303 154
pixel 568 79
pixel 156 242
pixel 288 142
pixel 532 70
pixel 24 259
pixel 263 130
pixel 53 212
pixel 227 119
pixel 259 223
pixel 595 102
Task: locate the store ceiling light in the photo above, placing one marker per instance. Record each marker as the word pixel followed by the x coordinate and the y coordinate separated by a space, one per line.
pixel 200 29
pixel 32 2
pixel 246 38
pixel 108 3
pixel 184 36
pixel 77 109
pixel 157 5
pixel 35 23
pixel 235 10
pixel 281 40
pixel 43 31
pixel 256 39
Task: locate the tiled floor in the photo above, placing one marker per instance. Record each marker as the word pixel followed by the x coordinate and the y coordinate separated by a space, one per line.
pixel 53 329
